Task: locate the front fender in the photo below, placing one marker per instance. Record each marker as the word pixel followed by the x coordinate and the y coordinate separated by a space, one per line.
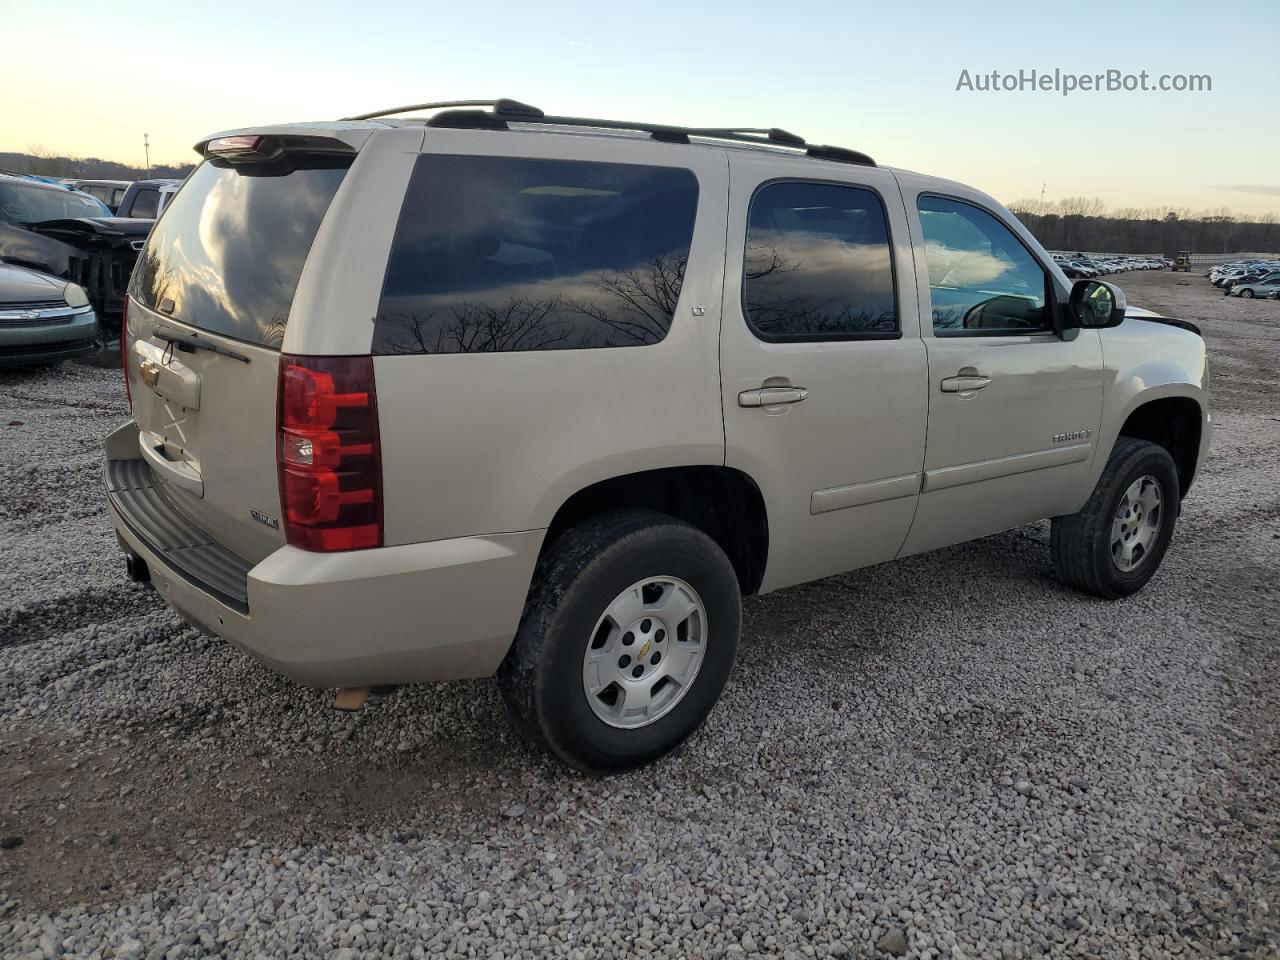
pixel 1145 362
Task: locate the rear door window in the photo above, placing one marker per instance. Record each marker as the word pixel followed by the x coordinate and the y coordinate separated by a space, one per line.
pixel 818 264
pixel 496 254
pixel 227 255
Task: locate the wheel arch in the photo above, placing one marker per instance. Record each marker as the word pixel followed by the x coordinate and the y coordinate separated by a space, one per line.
pixel 1172 419
pixel 723 502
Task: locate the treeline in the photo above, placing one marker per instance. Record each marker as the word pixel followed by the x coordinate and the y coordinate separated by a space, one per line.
pixel 1086 224
pixel 86 168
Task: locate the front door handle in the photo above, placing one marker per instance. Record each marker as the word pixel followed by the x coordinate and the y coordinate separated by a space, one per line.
pixel 771 396
pixel 965 382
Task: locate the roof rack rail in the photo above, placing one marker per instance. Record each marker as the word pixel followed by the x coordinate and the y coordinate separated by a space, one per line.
pixel 773 134
pixel 501 105
pixel 504 111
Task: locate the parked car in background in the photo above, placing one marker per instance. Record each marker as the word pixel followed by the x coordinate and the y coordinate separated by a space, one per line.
pixel 752 361
pixel 145 199
pixel 110 192
pixel 43 319
pixel 1227 277
pixel 1253 275
pixel 1234 271
pixel 72 236
pixel 1264 286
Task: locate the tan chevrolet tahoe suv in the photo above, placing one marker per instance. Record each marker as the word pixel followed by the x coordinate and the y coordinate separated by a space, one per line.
pixel 501 393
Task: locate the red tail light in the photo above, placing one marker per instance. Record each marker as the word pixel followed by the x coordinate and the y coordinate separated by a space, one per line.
pixel 124 353
pixel 327 453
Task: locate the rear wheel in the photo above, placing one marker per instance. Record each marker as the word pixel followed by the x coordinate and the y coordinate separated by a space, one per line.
pixel 626 642
pixel 1113 546
pixel 1247 294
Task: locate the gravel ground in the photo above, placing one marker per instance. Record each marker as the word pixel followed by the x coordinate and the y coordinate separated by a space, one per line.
pixel 950 756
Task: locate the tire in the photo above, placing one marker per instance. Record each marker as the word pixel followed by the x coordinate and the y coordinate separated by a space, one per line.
pixel 592 570
pixel 1247 294
pixel 1081 543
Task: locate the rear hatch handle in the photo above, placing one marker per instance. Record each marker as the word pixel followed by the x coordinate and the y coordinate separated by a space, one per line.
pixel 194 342
pixel 180 473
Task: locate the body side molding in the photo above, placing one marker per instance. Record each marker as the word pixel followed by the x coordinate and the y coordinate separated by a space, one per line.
pixel 963 473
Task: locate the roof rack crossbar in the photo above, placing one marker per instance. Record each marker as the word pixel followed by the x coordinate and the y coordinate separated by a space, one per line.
pixel 501 105
pixel 504 111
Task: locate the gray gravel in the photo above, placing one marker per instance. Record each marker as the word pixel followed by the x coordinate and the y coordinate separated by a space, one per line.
pixel 951 756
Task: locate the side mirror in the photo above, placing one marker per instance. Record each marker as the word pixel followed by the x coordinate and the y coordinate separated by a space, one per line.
pixel 1095 304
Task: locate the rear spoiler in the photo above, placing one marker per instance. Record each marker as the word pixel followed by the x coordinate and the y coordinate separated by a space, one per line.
pixel 264 147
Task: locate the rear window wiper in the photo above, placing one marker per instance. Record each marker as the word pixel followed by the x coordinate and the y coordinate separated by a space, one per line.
pixel 193 341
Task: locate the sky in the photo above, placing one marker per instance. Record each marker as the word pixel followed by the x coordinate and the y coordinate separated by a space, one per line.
pixel 879 77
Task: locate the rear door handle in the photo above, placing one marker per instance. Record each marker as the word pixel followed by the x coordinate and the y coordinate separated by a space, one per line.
pixel 964 383
pixel 771 396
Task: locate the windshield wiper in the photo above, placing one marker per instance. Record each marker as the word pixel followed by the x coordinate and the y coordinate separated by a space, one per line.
pixel 193 341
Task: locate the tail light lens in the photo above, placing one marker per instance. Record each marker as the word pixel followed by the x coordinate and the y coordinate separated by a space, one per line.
pixel 327 453
pixel 124 353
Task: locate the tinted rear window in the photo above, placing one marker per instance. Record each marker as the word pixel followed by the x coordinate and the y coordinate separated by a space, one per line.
pixel 231 244
pixel 818 264
pixel 495 254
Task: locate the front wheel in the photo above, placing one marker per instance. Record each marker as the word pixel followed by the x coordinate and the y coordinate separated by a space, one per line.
pixel 1113 546
pixel 627 640
pixel 1247 294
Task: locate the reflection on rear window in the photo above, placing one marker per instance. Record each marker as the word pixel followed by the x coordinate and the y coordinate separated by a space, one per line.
pixel 230 247
pixel 817 264
pixel 497 254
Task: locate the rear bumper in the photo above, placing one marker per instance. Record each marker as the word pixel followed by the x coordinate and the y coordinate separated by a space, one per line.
pixel 429 611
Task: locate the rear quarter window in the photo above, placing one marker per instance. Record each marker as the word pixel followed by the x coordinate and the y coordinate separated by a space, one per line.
pixel 497 254
pixel 228 252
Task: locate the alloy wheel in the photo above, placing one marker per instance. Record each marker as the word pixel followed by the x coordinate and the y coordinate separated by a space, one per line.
pixel 645 652
pixel 1137 523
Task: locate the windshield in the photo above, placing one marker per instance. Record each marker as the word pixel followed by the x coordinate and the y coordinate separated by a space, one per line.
pixel 28 203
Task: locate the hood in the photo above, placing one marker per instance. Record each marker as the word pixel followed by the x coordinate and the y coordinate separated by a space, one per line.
pixel 1139 313
pixel 105 227
pixel 20 285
